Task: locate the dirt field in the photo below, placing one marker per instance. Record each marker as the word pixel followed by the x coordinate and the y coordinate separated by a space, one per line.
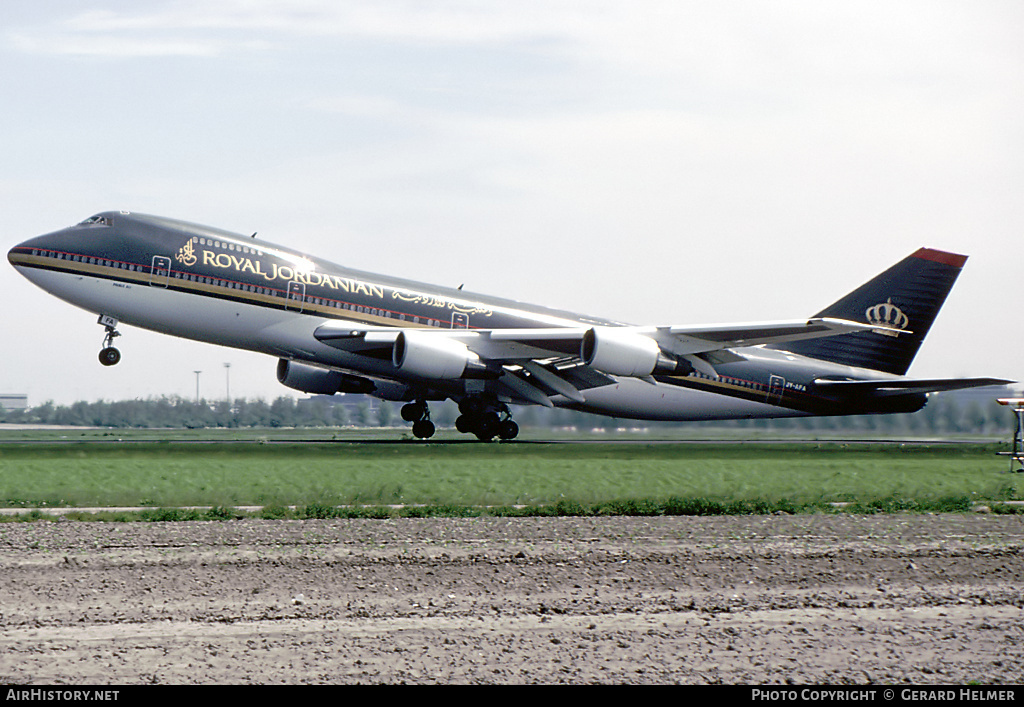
pixel 780 599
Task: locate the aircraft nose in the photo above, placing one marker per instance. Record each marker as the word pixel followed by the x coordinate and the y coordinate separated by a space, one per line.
pixel 18 254
pixel 22 254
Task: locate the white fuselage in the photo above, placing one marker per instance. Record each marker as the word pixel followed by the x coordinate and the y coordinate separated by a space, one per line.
pixel 288 334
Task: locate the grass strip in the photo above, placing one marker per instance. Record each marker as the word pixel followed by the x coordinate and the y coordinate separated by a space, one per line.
pixel 454 479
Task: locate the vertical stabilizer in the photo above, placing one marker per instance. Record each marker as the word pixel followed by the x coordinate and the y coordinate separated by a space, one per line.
pixel 906 296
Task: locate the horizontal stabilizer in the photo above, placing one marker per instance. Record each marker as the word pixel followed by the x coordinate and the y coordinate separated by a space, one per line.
pixel 899 386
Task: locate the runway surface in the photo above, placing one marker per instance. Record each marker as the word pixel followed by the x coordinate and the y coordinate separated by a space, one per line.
pixel 817 599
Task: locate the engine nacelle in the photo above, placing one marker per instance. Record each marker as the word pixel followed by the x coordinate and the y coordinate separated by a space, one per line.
pixel 621 352
pixel 320 381
pixel 433 356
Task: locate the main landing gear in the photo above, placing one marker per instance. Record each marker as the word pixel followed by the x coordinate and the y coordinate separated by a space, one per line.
pixel 109 356
pixel 487 418
pixel 419 415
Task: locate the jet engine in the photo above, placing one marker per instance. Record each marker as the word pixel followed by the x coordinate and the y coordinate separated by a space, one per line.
pixel 621 352
pixel 320 381
pixel 436 357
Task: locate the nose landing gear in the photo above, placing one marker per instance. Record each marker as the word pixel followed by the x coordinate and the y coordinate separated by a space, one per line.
pixel 109 356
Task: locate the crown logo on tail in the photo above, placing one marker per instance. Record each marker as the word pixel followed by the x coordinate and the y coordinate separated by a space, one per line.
pixel 887 315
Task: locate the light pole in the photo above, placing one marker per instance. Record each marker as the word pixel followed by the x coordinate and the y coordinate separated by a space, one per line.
pixel 197 385
pixel 227 374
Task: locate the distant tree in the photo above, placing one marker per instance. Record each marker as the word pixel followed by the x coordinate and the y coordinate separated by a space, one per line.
pixel 339 415
pixel 282 412
pixel 385 414
pixel 363 416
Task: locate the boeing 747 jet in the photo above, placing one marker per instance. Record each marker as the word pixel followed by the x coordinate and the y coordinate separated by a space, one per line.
pixel 334 329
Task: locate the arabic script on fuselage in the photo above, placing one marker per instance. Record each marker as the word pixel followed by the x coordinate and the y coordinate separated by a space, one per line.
pixel 434 301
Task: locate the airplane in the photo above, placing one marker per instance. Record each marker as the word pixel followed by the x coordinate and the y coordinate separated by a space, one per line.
pixel 338 330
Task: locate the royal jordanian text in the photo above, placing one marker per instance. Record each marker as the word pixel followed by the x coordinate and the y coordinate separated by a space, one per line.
pixel 283 272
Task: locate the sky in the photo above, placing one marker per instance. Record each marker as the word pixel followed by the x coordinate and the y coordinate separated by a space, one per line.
pixel 676 162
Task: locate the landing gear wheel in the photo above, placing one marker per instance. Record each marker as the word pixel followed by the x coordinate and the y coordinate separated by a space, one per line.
pixel 508 430
pixel 487 418
pixel 424 429
pixel 487 426
pixel 411 412
pixel 418 413
pixel 110 356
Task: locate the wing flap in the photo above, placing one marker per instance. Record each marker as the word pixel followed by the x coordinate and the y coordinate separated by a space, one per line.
pixel 525 389
pixel 554 381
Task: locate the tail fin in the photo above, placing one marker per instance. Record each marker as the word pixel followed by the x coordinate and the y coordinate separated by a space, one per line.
pixel 906 296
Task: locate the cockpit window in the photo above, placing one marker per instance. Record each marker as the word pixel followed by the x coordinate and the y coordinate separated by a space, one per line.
pixel 97 220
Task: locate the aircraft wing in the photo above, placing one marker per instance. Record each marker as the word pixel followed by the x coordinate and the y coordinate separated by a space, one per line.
pixel 537 363
pixel 514 345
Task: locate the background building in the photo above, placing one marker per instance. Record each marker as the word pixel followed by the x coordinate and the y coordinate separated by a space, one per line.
pixel 13 401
